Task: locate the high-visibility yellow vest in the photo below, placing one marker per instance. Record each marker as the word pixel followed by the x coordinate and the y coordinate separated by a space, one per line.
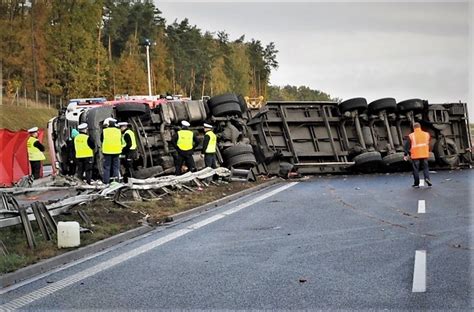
pixel 420 144
pixel 82 148
pixel 34 154
pixel 211 146
pixel 185 140
pixel 132 138
pixel 112 143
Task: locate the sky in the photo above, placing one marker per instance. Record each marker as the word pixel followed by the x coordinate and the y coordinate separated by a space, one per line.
pixel 372 49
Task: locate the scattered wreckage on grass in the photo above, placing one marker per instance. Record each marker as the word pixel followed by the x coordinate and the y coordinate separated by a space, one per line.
pixel 60 194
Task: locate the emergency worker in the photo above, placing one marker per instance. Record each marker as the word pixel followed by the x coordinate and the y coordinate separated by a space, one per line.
pixel 209 146
pixel 129 149
pixel 70 152
pixel 35 152
pixel 184 142
pixel 418 147
pixel 84 146
pixel 111 149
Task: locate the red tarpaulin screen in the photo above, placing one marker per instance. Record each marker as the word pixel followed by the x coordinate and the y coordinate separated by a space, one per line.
pixel 14 156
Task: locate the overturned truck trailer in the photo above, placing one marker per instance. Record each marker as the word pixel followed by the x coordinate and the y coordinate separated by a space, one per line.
pixel 310 137
pixel 327 137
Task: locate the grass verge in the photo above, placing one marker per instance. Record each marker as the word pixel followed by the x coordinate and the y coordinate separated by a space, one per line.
pixel 15 118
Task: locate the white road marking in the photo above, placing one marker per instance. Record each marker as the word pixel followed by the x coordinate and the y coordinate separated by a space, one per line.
pixel 419 274
pixel 422 182
pixel 61 284
pixel 421 206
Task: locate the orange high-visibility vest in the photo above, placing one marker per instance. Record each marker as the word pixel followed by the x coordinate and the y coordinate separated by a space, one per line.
pixel 420 144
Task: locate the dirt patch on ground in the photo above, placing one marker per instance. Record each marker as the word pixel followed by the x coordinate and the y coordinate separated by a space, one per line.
pixel 107 219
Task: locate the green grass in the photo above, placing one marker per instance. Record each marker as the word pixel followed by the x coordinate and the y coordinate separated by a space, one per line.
pixel 15 118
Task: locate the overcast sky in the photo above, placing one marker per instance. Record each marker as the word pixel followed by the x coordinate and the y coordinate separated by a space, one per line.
pixel 348 49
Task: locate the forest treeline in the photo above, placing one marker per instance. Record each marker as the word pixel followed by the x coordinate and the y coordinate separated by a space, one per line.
pixel 83 48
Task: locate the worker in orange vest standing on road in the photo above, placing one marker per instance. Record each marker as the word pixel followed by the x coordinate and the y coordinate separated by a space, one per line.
pixel 418 147
pixel 35 152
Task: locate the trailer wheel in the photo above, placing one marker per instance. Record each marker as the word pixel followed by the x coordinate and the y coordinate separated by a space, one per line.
pixel 222 99
pixel 393 158
pixel 146 173
pixel 359 104
pixel 367 157
pixel 447 151
pixel 242 161
pixel 243 104
pixel 132 109
pixel 226 109
pixel 237 149
pixel 412 104
pixel 389 104
pixel 432 158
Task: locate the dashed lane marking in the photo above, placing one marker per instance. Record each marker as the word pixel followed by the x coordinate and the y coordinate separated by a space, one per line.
pixel 419 273
pixel 422 182
pixel 421 206
pixel 61 284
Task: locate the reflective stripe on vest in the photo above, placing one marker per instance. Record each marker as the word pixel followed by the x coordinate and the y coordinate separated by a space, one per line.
pixel 211 146
pixel 420 144
pixel 34 154
pixel 132 138
pixel 82 148
pixel 185 140
pixel 112 143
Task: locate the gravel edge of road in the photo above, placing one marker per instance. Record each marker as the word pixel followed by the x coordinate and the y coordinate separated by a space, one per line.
pixel 46 265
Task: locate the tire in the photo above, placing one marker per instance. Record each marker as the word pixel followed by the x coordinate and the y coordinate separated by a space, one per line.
pixel 227 109
pixel 411 105
pixel 431 158
pixel 446 151
pixel 359 104
pixel 393 159
pixel 388 104
pixel 242 161
pixel 368 157
pixel 243 104
pixel 132 109
pixel 146 173
pixel 237 149
pixel 222 99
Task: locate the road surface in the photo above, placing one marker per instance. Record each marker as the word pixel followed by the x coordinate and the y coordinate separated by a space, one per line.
pixel 338 242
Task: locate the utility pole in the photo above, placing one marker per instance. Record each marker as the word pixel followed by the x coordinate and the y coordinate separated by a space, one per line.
pixel 147 44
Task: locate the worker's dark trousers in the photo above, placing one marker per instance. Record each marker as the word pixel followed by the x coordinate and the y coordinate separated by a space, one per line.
pixel 128 164
pixel 35 169
pixel 84 165
pixel 210 160
pixel 416 163
pixel 111 167
pixel 187 158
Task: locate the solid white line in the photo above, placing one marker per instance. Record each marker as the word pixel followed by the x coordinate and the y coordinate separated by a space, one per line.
pixel 422 182
pixel 421 206
pixel 419 274
pixel 61 284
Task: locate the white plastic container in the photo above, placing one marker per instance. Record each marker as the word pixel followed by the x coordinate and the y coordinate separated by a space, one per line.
pixel 68 234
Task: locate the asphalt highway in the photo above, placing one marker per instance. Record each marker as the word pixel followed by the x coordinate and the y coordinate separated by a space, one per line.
pixel 332 242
